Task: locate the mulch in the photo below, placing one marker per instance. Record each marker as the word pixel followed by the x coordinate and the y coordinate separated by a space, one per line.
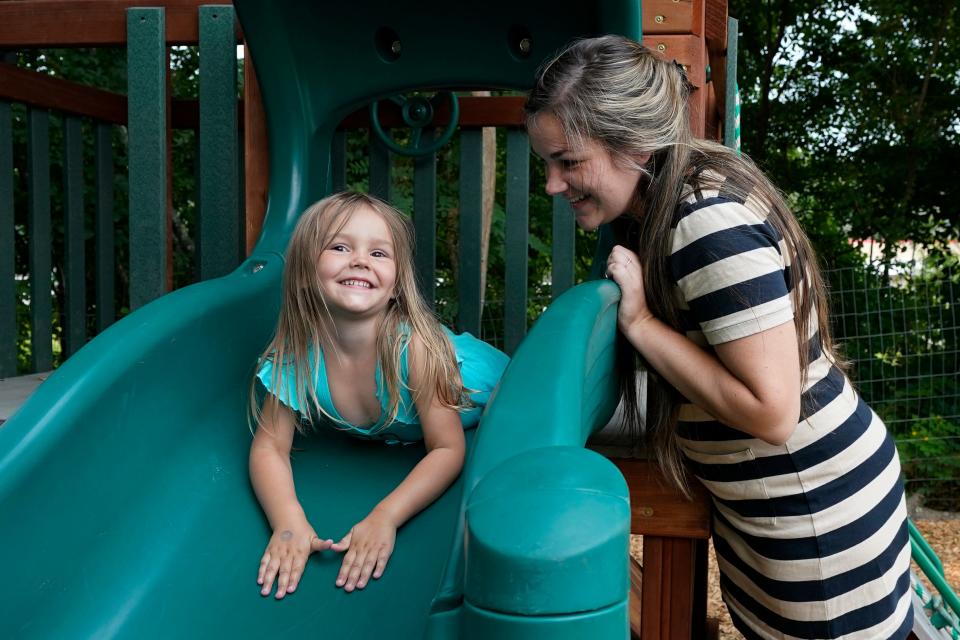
pixel 942 534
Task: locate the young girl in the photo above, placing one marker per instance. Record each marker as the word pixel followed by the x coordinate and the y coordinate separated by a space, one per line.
pixel 357 349
pixel 723 300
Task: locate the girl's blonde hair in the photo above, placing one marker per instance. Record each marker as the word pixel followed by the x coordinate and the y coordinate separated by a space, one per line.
pixel 634 103
pixel 305 325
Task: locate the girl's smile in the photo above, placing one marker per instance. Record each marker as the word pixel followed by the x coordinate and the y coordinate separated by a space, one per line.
pixel 356 269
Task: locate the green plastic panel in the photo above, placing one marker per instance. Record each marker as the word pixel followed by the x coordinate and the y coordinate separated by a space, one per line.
pixel 517 238
pixel 380 164
pixel 569 515
pixel 219 239
pixel 338 159
pixel 731 107
pixel 425 220
pixel 8 301
pixel 38 230
pixel 103 152
pixel 563 247
pixel 471 229
pixel 147 131
pixel 612 622
pixel 74 289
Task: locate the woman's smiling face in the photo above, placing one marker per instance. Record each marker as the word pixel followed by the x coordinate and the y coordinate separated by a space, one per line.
pixel 598 188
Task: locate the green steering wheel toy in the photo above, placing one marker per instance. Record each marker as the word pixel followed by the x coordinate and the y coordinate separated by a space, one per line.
pixel 417 113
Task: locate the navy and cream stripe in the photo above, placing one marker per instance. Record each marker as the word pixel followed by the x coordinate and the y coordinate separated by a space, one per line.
pixel 810 535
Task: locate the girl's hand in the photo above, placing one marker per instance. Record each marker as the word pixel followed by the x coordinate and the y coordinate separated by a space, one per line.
pixel 623 266
pixel 286 557
pixel 368 548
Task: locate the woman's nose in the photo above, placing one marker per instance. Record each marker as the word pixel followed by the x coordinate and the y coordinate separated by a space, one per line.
pixel 555 182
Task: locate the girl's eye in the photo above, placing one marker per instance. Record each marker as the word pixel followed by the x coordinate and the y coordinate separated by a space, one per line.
pixel 338 247
pixel 570 163
pixel 377 253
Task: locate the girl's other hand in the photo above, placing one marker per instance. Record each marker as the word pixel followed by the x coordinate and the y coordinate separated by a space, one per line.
pixel 623 266
pixel 286 557
pixel 368 548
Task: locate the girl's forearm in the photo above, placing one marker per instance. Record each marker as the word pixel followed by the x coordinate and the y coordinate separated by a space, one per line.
pixel 272 478
pixel 424 484
pixel 704 380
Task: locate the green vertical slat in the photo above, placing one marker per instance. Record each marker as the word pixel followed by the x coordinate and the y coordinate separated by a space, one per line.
pixel 147 133
pixel 515 284
pixel 425 220
pixel 75 298
pixel 41 306
pixel 379 168
pixel 338 161
pixel 103 150
pixel 219 149
pixel 471 228
pixel 563 246
pixel 8 288
pixel 731 122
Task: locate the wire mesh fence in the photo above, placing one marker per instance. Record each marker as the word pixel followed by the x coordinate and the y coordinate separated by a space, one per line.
pixel 897 324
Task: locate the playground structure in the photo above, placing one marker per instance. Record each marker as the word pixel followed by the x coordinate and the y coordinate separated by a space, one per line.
pixel 147 421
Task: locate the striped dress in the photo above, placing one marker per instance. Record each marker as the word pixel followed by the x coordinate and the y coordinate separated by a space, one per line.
pixel 811 535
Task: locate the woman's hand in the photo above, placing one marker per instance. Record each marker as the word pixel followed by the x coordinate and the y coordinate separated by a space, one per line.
pixel 368 548
pixel 286 557
pixel 623 266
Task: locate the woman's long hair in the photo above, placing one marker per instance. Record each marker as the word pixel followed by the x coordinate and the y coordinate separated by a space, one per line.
pixel 306 327
pixel 634 103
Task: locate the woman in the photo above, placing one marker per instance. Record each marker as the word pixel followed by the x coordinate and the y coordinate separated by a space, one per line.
pixel 723 302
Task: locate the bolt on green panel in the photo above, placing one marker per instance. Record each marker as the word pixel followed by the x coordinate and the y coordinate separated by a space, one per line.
pixel 219 146
pixel 471 228
pixel 41 305
pixel 425 220
pixel 75 298
pixel 564 235
pixel 517 239
pixel 103 152
pixel 147 133
pixel 8 290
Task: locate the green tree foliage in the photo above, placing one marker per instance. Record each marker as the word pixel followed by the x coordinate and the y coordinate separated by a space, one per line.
pixel 853 107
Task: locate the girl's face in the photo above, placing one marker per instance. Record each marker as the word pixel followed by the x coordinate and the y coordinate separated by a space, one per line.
pixel 598 188
pixel 357 269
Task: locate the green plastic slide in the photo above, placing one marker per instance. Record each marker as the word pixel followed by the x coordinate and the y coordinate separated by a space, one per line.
pixel 125 508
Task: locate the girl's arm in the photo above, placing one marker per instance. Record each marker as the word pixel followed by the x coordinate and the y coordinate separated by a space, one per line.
pixel 369 543
pixel 751 384
pixel 271 475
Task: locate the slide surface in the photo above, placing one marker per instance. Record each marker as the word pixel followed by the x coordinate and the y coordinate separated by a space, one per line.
pixel 127 510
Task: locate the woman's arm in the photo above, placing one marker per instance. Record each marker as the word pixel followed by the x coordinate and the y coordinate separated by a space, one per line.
pixel 370 542
pixel 271 475
pixel 751 384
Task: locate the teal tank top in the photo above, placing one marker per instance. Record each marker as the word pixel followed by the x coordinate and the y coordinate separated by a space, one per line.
pixel 481 366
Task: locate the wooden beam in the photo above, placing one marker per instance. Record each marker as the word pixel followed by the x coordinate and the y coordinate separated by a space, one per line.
pixel 499 111
pixel 47 92
pixel 90 23
pixel 661 510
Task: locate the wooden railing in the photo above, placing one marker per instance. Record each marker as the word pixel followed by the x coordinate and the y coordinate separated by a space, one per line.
pixel 232 193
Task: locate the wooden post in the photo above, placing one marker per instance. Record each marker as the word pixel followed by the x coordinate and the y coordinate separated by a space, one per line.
pixel 255 153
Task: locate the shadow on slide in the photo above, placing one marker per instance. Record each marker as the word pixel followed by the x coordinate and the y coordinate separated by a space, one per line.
pixel 127 511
